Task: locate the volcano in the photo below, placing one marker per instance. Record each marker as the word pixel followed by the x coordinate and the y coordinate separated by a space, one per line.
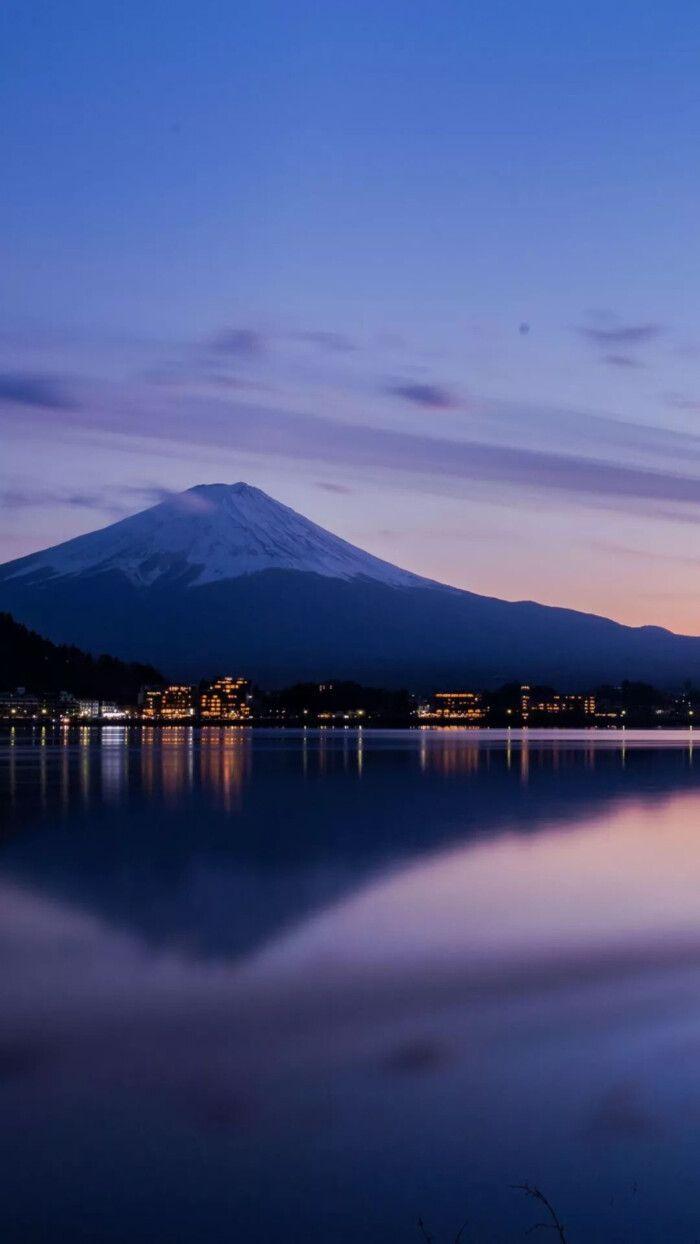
pixel 224 578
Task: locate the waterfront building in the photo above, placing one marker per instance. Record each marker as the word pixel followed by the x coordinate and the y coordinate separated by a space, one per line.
pixel 225 699
pixel 19 705
pixel 551 704
pixel 525 703
pixel 176 702
pixel 455 706
pixel 88 708
pixel 109 711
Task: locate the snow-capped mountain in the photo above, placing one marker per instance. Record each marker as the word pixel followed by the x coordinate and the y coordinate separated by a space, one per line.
pixel 224 579
pixel 209 533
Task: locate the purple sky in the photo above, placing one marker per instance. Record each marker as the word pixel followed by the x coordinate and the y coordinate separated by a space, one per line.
pixel 427 274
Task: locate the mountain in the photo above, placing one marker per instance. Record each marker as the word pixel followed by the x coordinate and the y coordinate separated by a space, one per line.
pixel 211 533
pixel 28 660
pixel 224 578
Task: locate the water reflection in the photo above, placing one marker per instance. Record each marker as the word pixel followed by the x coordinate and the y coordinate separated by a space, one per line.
pixel 225 762
pixel 113 756
pixel 174 761
pixel 325 982
pixel 341 800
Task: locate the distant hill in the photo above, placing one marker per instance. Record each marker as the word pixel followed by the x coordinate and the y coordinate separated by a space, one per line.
pixel 28 660
pixel 223 577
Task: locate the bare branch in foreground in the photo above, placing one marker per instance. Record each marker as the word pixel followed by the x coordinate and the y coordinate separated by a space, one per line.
pixel 424 1232
pixel 537 1195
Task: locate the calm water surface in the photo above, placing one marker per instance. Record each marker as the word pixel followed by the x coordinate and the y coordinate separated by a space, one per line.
pixel 281 987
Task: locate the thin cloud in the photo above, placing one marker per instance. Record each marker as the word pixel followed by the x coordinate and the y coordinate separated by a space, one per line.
pixel 625 550
pixel 335 343
pixel 679 402
pixel 113 499
pixel 621 360
pixel 623 334
pixel 440 463
pixel 187 378
pixel 33 389
pixel 310 438
pixel 340 489
pixel 433 396
pixel 28 499
pixel 241 342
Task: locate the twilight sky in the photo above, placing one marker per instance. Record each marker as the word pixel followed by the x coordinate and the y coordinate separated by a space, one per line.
pixel 427 272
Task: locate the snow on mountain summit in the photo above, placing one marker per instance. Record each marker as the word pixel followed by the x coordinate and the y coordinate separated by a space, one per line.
pixel 211 532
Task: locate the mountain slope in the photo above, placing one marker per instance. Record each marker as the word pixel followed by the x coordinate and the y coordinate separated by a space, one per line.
pixel 224 578
pixel 210 533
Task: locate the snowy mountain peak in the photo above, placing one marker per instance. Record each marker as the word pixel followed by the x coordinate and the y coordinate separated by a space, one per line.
pixel 224 494
pixel 209 533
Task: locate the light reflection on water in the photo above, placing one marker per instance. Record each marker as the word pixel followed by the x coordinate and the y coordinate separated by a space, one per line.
pixel 309 985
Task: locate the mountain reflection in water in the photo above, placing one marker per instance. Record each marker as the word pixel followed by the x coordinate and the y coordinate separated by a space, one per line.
pixel 308 986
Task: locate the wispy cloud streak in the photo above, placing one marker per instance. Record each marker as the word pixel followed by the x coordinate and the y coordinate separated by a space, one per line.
pixel 621 335
pixel 34 389
pixel 283 434
pixel 433 396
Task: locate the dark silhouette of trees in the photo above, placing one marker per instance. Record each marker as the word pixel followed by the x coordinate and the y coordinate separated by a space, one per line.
pixel 28 660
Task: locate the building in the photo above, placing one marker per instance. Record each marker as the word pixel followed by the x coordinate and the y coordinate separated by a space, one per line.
pixel 19 705
pixel 225 699
pixel 150 701
pixel 85 709
pixel 88 708
pixel 542 702
pixel 455 706
pixel 174 703
pixel 109 711
pixel 580 705
pixel 525 703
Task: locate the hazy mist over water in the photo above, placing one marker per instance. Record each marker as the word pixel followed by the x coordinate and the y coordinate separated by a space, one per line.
pixel 282 986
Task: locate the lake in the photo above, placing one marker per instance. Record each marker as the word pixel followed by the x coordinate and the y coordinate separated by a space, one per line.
pixel 283 986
